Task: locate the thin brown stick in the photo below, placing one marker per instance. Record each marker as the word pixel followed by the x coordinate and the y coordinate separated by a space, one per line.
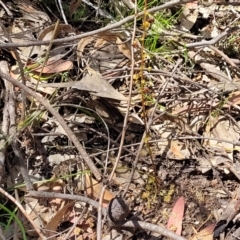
pixel 8 130
pixel 5 123
pixel 103 135
pixel 174 138
pixel 20 64
pixel 129 223
pixel 223 55
pixel 104 29
pixel 152 228
pixel 38 230
pixel 6 9
pixel 214 40
pixel 99 225
pixel 61 121
pixel 11 130
pixel 36 194
pixel 62 11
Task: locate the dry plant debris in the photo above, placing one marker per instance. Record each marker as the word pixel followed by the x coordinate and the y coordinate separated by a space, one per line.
pixel 120 120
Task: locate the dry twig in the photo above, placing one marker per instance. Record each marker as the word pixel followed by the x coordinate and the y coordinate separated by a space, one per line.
pixel 104 29
pixel 38 230
pixel 20 64
pixel 129 223
pixel 61 121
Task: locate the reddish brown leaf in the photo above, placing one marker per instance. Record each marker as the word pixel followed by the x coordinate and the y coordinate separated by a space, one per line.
pixel 55 66
pixel 176 217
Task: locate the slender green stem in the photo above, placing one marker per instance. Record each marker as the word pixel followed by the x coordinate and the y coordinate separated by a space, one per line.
pixel 16 219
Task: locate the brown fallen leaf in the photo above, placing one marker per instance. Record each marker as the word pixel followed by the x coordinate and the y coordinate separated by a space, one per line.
pixel 93 83
pixel 123 48
pixel 51 227
pixel 55 67
pixel 234 98
pixel 81 46
pixel 221 128
pixel 178 150
pixel 176 217
pixel 189 15
pixel 204 234
pixel 210 69
pixel 94 189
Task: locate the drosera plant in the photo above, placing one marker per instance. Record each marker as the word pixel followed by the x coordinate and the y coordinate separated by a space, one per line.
pixel 150 192
pixel 158 23
pixel 151 43
pixel 142 83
